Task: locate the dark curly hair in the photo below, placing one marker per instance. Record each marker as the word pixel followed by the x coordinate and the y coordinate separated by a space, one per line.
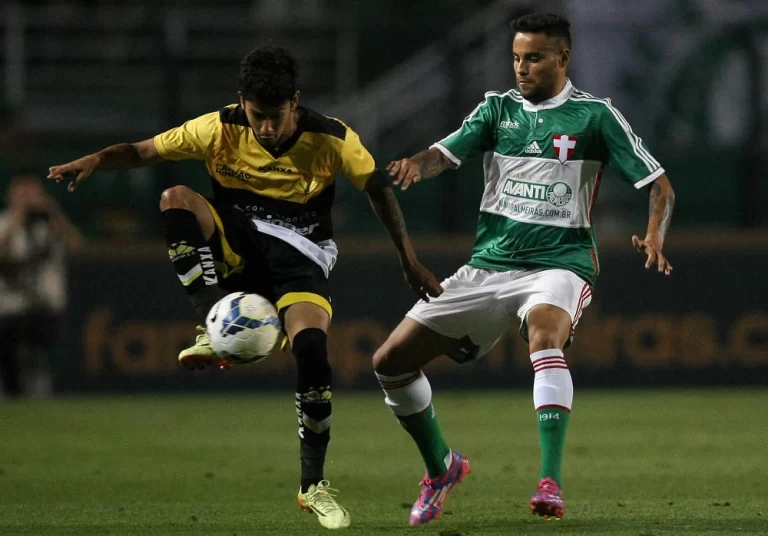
pixel 268 75
pixel 549 24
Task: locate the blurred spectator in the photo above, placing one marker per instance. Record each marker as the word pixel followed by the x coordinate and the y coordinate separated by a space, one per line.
pixel 34 234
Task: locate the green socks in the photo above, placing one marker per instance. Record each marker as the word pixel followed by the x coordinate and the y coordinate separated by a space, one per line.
pixel 426 433
pixel 553 425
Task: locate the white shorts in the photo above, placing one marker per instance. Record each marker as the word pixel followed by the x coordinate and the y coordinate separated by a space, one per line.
pixel 477 305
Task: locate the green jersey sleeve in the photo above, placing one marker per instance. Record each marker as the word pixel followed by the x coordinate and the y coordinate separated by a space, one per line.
pixel 474 136
pixel 627 153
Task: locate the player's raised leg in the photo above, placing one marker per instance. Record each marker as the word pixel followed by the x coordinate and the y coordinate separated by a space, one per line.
pixel 398 364
pixel 306 324
pixel 549 328
pixel 188 226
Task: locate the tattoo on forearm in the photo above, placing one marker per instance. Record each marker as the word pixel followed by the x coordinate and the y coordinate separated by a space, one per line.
pixel 660 207
pixel 432 162
pixel 391 215
pixel 387 209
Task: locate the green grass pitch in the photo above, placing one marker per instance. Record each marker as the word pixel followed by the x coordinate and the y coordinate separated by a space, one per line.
pixel 639 463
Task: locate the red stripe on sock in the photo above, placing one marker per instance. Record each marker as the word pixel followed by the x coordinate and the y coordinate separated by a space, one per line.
pixel 553 406
pixel 424 410
pixel 549 362
pixel 546 357
pixel 546 360
pixel 400 383
pixel 564 367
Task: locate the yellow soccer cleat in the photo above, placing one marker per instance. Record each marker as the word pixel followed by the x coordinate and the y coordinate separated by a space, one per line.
pixel 201 354
pixel 320 500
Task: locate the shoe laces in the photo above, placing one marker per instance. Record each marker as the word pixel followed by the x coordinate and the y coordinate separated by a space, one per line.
pixel 323 496
pixel 429 486
pixel 549 487
pixel 426 481
pixel 202 336
pixel 433 483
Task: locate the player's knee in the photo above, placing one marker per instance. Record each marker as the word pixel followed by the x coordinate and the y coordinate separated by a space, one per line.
pixel 379 357
pixel 390 359
pixel 177 197
pixel 544 339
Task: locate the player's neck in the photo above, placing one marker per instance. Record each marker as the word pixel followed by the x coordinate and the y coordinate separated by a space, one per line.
pixel 556 90
pixel 559 87
pixel 295 116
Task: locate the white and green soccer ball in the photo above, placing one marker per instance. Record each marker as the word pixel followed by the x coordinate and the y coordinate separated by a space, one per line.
pixel 243 328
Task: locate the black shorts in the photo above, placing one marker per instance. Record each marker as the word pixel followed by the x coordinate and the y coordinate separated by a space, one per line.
pixel 250 261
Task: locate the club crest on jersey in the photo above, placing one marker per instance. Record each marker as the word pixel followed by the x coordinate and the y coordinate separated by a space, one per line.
pixel 565 146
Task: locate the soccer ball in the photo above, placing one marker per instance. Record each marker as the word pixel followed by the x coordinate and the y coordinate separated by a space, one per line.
pixel 243 328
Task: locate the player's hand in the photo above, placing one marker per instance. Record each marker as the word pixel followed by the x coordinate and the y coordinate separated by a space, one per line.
pixel 404 172
pixel 652 249
pixel 76 171
pixel 421 280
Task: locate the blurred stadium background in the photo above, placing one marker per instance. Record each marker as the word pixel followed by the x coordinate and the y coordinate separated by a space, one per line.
pixel 691 76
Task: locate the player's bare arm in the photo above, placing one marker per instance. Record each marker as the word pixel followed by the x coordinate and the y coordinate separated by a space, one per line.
pixel 114 157
pixel 660 206
pixel 424 165
pixel 387 209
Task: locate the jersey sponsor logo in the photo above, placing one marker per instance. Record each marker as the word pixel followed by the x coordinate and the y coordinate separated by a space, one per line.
pixel 278 169
pixel 533 148
pixel 226 171
pixel 565 146
pixel 509 124
pixel 303 231
pixel 557 194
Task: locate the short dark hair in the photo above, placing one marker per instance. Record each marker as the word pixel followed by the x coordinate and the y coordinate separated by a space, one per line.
pixel 268 75
pixel 550 24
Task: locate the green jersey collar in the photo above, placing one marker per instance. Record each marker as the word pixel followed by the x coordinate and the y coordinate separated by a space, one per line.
pixel 554 102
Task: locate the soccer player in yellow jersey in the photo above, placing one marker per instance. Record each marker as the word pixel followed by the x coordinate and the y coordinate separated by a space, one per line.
pixel 267 228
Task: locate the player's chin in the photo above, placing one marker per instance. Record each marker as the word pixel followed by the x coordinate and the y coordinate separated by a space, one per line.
pixel 269 143
pixel 528 91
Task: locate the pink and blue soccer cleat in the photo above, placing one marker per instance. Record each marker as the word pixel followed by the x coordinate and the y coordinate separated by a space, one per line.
pixel 548 500
pixel 434 491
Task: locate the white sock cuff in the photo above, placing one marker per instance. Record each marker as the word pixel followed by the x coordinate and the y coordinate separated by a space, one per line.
pixel 406 394
pixel 383 379
pixel 548 360
pixel 551 352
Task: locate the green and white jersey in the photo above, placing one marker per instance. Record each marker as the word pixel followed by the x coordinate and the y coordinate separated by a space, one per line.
pixel 542 165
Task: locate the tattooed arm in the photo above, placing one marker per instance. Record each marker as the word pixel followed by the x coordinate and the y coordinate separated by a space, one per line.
pixel 423 165
pixel 387 209
pixel 661 204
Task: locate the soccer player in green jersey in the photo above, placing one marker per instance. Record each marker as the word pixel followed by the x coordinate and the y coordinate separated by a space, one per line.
pixel 534 259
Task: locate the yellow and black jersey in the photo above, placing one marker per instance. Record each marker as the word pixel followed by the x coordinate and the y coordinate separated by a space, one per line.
pixel 292 188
